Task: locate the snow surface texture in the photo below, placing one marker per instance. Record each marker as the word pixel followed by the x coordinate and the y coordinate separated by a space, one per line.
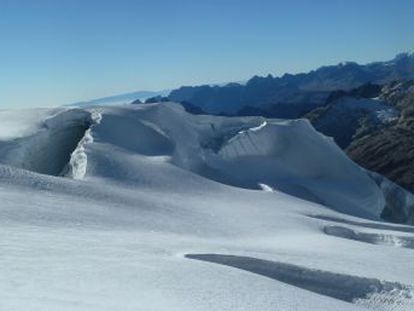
pixel 149 208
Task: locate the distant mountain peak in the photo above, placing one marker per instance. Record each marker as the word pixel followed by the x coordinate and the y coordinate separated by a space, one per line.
pixel 292 95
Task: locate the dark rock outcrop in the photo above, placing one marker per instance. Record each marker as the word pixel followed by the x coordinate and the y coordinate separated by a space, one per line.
pixel 390 150
pixel 350 114
pixel 377 133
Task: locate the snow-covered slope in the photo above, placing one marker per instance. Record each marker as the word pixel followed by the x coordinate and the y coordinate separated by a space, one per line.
pixel 149 208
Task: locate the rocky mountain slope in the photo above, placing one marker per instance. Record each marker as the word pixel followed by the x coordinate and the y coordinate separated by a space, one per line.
pixel 390 149
pixel 374 124
pixel 347 115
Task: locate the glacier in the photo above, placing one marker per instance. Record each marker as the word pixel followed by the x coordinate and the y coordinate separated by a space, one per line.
pixel 147 207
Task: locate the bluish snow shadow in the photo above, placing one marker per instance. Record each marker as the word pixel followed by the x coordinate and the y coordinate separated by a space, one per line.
pixel 349 288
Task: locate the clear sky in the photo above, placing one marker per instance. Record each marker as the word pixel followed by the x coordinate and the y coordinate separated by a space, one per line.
pixel 56 52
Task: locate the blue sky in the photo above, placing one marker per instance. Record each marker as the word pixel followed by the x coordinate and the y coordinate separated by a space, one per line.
pixel 57 52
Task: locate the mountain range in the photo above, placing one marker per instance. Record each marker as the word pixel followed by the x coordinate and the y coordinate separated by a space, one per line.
pixel 291 96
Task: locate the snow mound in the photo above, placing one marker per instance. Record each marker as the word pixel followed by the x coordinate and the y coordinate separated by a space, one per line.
pixel 248 152
pixel 290 156
pixel 287 156
pixel 133 135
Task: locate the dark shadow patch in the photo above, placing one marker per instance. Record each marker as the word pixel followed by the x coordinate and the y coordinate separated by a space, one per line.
pixel 339 286
pixel 49 150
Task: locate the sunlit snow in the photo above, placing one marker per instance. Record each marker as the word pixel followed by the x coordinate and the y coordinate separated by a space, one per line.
pixel 146 207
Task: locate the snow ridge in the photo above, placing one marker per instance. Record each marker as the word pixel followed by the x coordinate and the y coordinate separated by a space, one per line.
pixel 290 156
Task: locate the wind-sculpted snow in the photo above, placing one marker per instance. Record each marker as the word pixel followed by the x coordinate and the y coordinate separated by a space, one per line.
pixel 372 293
pixel 134 135
pixel 98 208
pixel 48 149
pixel 292 157
pixel 289 156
